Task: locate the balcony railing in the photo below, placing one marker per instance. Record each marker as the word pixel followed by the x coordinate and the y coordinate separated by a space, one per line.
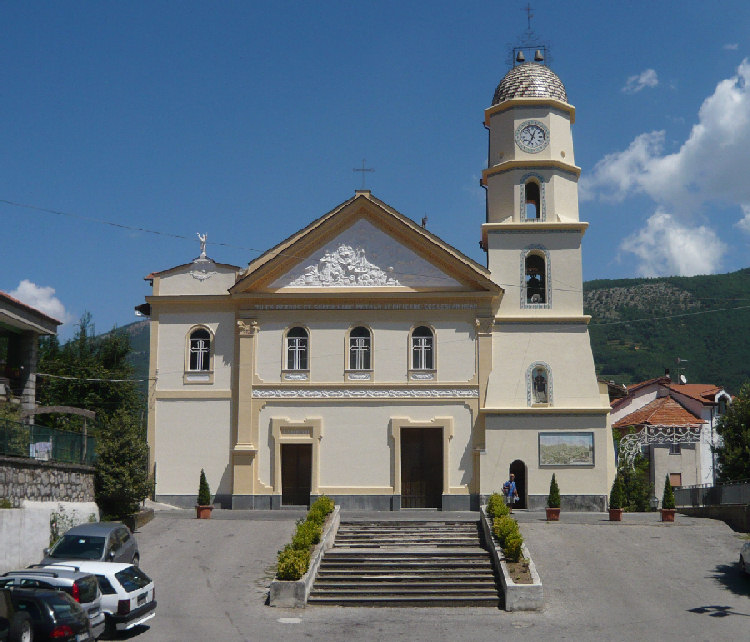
pixel 45 444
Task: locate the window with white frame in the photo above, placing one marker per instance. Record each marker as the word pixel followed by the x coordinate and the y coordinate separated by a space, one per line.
pixel 199 359
pixel 297 347
pixel 360 349
pixel 422 349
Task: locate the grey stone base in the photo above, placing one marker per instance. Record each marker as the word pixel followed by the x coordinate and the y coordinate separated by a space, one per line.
pixel 351 502
pixel 189 501
pixel 573 503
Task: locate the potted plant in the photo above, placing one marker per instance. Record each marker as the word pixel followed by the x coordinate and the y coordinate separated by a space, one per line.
pixel 553 501
pixel 204 507
pixel 667 502
pixel 616 500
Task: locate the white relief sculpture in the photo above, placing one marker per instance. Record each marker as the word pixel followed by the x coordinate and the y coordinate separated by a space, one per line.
pixel 364 256
pixel 307 393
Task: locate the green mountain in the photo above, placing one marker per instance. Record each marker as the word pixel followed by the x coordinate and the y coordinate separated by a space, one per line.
pixel 639 327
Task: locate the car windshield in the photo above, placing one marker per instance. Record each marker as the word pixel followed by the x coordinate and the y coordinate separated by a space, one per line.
pixel 80 547
pixel 132 578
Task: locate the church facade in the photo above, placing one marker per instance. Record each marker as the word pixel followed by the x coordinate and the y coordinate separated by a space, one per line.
pixel 366 359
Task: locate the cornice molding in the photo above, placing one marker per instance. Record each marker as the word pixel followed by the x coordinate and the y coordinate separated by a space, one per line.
pixel 539 164
pixel 529 103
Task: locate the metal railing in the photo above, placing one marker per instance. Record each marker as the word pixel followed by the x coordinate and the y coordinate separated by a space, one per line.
pixel 705 495
pixel 45 444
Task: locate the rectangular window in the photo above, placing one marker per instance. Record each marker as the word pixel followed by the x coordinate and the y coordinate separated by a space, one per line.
pixel 675 449
pixel 359 353
pixel 199 354
pixel 422 353
pixel 297 353
pixel 675 479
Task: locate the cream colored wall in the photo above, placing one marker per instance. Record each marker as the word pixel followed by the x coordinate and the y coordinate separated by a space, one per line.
pixel 564 347
pixel 356 449
pixel 566 293
pixel 455 346
pixel 503 127
pixel 179 282
pixel 687 463
pixel 173 330
pixel 192 435
pixel 511 437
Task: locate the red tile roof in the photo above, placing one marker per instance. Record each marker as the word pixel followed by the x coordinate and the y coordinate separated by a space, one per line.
pixel 703 392
pixel 664 411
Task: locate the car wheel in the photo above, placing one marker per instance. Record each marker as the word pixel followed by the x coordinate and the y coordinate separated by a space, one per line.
pixel 136 560
pixel 20 628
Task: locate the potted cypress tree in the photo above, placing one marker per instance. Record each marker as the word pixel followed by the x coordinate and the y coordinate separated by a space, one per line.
pixel 553 501
pixel 204 507
pixel 616 500
pixel 667 502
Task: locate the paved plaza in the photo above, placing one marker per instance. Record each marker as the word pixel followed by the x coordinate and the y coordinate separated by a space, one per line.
pixel 639 579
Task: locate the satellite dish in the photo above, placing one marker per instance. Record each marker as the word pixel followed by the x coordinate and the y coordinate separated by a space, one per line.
pixel 683 379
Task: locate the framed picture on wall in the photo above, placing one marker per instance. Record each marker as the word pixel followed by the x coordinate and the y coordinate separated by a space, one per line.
pixel 566 448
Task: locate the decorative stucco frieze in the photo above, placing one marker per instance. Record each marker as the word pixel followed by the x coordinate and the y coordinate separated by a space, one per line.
pixel 247 328
pixel 364 306
pixel 366 393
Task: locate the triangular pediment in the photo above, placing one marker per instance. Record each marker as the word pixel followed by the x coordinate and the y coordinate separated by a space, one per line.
pixel 363 244
pixel 364 256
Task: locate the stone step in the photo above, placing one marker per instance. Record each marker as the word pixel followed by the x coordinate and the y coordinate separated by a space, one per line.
pixel 419 601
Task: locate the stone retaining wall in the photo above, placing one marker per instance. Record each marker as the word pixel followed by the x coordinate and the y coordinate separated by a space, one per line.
pixel 46 481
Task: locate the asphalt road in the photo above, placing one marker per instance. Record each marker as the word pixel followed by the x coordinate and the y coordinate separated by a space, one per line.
pixel 603 581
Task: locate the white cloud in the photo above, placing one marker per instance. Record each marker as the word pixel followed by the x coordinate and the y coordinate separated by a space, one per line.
pixel 731 46
pixel 42 298
pixel 634 84
pixel 666 247
pixel 711 165
pixel 744 222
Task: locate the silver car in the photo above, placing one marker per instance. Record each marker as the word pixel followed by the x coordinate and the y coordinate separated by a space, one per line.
pixel 745 558
pixel 98 541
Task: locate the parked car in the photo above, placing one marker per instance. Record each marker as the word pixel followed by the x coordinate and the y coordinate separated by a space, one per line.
pixel 128 594
pixel 54 615
pixel 745 558
pixel 82 587
pixel 103 541
pixel 15 626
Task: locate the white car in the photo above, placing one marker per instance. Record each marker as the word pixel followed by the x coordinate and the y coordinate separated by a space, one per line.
pixel 128 594
pixel 745 558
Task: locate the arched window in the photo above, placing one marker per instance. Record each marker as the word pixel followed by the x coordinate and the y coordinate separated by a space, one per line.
pixel 538 384
pixel 360 349
pixel 199 357
pixel 533 201
pixel 422 349
pixel 297 347
pixel 535 279
pixel 722 405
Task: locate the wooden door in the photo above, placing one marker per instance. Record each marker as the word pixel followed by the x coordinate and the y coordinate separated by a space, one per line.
pixel 296 474
pixel 421 467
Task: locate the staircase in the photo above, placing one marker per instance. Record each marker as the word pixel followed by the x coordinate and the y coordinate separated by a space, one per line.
pixel 406 563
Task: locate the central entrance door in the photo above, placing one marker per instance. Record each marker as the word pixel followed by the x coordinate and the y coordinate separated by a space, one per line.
pixel 296 474
pixel 421 467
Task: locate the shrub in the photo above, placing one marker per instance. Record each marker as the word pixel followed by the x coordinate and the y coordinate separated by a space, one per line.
pixel 553 499
pixel 292 563
pixel 617 494
pixel 505 527
pixel 512 548
pixel 316 516
pixel 307 535
pixel 496 506
pixel 204 492
pixel 5 503
pixel 668 499
pixel 323 503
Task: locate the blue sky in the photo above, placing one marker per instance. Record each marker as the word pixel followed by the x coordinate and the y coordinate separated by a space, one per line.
pixel 244 120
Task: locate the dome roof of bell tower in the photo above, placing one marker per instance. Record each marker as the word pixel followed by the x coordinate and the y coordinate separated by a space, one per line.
pixel 530 80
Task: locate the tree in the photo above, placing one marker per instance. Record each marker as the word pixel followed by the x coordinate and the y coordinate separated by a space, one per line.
pixel 733 455
pixel 667 500
pixel 121 480
pixel 638 489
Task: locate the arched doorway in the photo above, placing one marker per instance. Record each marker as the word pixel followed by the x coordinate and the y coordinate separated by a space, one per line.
pixel 518 469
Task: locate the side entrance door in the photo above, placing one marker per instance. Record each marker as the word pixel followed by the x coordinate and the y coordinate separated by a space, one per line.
pixel 421 467
pixel 296 474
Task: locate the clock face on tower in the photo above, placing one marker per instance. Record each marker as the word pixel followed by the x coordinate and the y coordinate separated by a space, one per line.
pixel 532 136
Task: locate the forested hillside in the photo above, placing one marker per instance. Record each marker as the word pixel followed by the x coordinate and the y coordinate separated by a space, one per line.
pixel 640 327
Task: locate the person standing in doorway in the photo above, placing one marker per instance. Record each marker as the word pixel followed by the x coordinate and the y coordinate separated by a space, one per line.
pixel 510 491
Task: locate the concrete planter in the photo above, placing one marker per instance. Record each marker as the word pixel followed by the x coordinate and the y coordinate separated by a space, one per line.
pixel 667 514
pixel 518 597
pixel 553 514
pixel 203 512
pixel 615 514
pixel 294 594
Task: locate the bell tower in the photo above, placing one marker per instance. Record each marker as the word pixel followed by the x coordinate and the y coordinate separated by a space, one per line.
pixel 544 410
